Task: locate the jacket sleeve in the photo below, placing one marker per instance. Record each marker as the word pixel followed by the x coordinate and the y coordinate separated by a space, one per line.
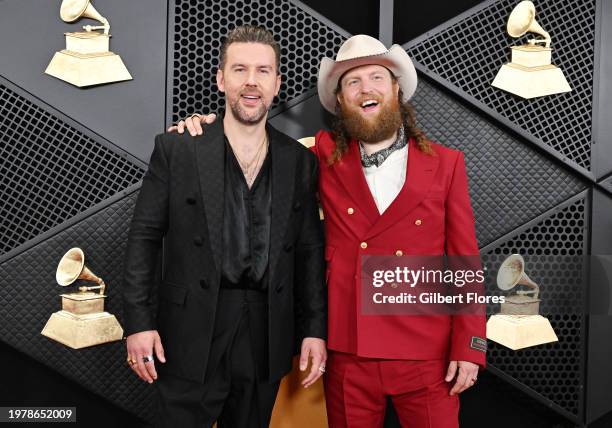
pixel 468 339
pixel 311 293
pixel 147 229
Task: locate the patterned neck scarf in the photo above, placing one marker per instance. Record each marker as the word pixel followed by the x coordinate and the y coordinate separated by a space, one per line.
pixel 377 158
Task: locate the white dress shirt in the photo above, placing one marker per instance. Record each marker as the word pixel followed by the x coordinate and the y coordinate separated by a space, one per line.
pixel 386 180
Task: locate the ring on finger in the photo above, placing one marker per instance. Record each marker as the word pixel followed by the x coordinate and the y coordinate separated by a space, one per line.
pixel 147 358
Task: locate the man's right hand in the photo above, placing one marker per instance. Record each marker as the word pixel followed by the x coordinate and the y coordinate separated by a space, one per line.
pixel 140 345
pixel 193 124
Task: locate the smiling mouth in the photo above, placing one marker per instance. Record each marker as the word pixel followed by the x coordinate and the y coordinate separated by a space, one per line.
pixel 250 98
pixel 369 105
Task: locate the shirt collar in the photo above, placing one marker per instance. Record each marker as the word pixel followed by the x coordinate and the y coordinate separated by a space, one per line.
pixel 377 158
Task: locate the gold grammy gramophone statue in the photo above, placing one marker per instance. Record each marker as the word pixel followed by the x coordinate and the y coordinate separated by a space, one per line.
pixel 519 324
pixel 530 74
pixel 82 321
pixel 86 61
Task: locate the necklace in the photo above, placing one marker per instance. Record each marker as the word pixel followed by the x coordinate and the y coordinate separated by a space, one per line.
pixel 250 179
pixel 250 168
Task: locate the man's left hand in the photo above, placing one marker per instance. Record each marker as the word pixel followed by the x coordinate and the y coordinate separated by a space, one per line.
pixel 314 348
pixel 466 372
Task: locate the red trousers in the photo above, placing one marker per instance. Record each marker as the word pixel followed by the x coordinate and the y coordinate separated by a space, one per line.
pixel 356 391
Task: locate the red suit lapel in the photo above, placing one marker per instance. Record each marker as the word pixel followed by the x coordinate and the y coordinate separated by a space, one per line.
pixel 420 172
pixel 350 174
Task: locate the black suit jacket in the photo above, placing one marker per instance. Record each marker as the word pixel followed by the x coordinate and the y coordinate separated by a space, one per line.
pixel 181 200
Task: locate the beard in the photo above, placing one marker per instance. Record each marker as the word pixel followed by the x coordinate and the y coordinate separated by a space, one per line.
pixel 243 116
pixel 379 128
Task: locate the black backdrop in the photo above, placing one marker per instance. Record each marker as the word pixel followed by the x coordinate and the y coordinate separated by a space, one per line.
pixel 527 176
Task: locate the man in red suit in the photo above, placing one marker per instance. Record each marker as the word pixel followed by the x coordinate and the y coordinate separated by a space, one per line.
pixel 386 189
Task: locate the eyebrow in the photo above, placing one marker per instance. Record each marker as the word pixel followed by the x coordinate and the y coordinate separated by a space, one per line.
pixel 373 73
pixel 347 78
pixel 246 66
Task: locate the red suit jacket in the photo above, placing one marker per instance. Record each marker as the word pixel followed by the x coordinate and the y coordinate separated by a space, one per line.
pixel 431 215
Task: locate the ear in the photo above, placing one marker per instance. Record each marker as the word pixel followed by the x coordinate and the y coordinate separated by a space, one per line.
pixel 339 96
pixel 278 84
pixel 396 87
pixel 220 80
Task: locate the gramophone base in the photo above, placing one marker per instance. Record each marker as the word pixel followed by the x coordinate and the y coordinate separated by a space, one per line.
pixel 518 332
pixel 531 82
pixel 87 69
pixel 80 331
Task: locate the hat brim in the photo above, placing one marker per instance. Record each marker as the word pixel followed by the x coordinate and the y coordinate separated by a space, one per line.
pixel 395 59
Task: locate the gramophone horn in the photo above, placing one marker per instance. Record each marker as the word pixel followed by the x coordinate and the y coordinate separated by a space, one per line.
pixel 72 267
pixel 71 10
pixel 512 273
pixel 522 20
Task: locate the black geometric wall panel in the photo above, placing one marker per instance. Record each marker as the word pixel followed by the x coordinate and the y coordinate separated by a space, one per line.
pixel 510 182
pixel 606 184
pixel 467 52
pixel 554 248
pixel 49 170
pixel 29 294
pixel 528 161
pixel 200 26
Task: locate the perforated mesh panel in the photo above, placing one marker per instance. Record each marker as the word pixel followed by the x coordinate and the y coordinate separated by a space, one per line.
pixel 49 171
pixel 29 295
pixel 469 53
pixel 510 182
pixel 200 27
pixel 553 250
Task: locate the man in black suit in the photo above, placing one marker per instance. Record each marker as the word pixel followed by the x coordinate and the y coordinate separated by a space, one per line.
pixel 243 255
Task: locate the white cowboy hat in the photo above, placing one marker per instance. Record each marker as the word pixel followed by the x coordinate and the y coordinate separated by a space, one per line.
pixel 364 50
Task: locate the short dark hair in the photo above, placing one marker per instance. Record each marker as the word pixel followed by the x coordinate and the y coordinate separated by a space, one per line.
pixel 249 34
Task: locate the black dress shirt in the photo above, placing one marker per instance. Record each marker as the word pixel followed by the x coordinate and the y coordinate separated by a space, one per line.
pixel 246 225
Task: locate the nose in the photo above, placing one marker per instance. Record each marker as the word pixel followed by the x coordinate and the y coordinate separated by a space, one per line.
pixel 252 78
pixel 366 87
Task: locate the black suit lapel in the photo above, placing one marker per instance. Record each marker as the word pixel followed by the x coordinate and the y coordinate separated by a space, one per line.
pixel 210 160
pixel 283 181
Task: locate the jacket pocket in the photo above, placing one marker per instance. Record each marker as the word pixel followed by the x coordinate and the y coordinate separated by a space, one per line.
pixel 173 292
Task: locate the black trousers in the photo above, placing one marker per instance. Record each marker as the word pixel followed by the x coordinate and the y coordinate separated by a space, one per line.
pixel 235 392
